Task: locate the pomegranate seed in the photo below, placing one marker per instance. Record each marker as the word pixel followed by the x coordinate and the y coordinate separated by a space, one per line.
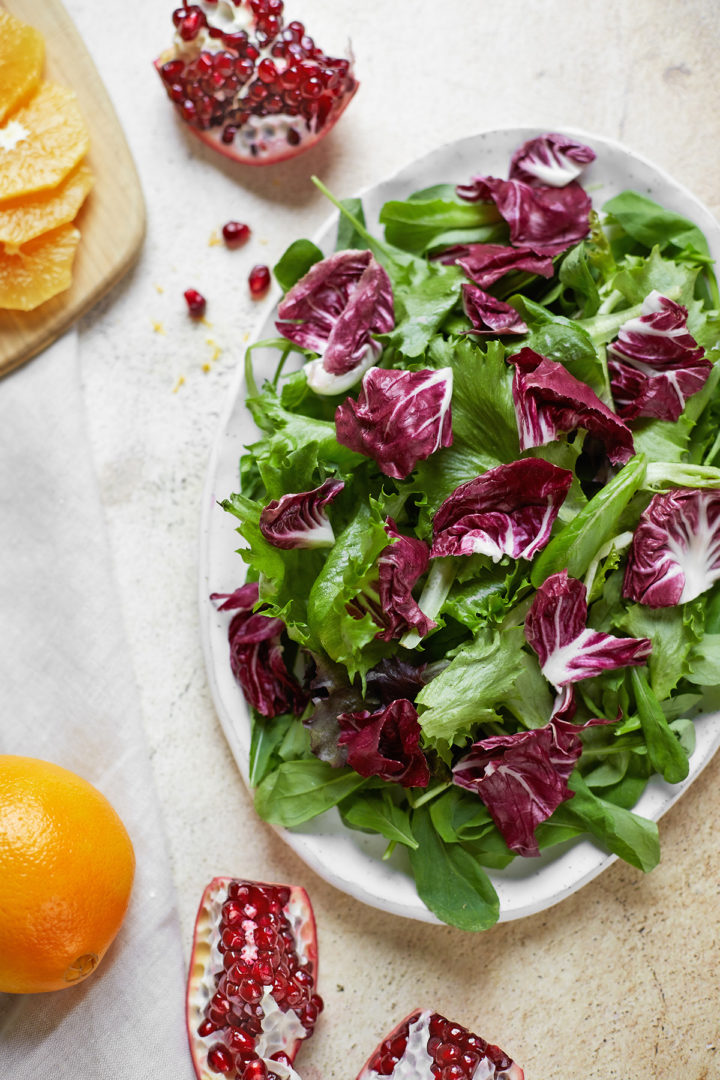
pixel 206 1028
pixel 250 991
pixel 196 303
pixel 191 26
pixel 282 1058
pixel 172 70
pixel 293 137
pixel 240 1042
pixel 252 53
pixel 255 1070
pixel 447 1054
pixel 234 234
pixel 469 1062
pixel 259 280
pixel 219 1059
pixel 297 30
pixel 453 1072
pixel 267 72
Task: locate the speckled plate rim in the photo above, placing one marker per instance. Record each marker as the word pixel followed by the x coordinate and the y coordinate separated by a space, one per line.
pixel 351 861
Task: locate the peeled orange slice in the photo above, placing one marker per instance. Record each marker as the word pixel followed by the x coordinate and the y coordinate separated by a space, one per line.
pixel 28 216
pixel 40 270
pixel 41 142
pixel 22 52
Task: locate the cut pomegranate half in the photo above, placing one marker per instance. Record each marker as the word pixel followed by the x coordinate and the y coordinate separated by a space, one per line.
pixel 251 988
pixel 427 1046
pixel 250 86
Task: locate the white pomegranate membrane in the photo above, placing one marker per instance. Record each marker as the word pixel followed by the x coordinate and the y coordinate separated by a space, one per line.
pixel 251 998
pixel 427 1046
pixel 258 90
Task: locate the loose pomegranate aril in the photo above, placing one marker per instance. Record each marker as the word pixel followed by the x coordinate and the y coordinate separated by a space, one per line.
pixel 430 1047
pixel 196 303
pixel 267 94
pixel 259 280
pixel 238 1026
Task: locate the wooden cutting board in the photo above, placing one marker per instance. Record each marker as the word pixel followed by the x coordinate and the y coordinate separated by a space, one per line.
pixel 112 220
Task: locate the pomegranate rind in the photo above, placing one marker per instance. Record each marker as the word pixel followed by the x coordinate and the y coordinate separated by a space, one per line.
pixel 512 1072
pixel 201 968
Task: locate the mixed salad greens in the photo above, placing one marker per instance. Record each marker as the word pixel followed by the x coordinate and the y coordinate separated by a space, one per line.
pixel 482 524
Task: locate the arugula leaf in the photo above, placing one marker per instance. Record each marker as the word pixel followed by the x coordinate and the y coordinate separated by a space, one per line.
pixel 377 813
pixel 467 692
pixel 297 791
pixel 575 273
pixel 348 236
pixel 449 881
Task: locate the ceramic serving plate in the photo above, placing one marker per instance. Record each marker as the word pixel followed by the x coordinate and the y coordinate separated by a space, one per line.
pixel 351 860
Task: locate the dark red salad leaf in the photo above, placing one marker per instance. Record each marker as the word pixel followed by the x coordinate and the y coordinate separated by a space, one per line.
pixel 509 510
pixel 488 315
pixel 550 161
pixel 334 310
pixel 675 553
pixel 485 264
pixel 654 363
pixel 568 650
pixel 299 520
pixel 256 655
pixel 550 402
pixel 399 418
pixel 386 743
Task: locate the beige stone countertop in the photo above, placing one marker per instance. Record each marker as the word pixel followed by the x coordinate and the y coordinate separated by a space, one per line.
pixel 622 980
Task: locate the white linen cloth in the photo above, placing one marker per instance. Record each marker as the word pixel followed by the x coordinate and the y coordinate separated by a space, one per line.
pixel 67 695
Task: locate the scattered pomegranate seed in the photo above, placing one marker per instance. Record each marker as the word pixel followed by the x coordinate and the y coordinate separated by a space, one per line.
pixel 259 280
pixel 196 303
pixel 235 233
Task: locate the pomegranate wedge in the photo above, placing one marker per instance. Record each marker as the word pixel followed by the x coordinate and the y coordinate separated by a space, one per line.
pixel 251 989
pixel 249 84
pixel 426 1046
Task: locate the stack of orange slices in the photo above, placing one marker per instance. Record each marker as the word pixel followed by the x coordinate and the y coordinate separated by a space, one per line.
pixel 43 180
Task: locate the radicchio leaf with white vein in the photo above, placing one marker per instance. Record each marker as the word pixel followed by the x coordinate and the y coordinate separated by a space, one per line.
pixel 550 161
pixel 399 418
pixel 485 264
pixel 509 510
pixel 568 650
pixel 256 655
pixel 386 743
pixel 550 402
pixel 547 219
pixel 488 315
pixel 675 553
pixel 654 363
pixel 522 778
pixel 298 520
pixel 334 310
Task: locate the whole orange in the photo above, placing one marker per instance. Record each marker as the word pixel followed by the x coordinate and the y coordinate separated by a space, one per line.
pixel 66 871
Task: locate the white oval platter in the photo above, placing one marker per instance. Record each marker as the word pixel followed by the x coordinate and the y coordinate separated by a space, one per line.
pixel 351 860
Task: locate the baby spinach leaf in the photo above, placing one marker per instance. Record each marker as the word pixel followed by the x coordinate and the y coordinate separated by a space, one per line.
pixel 379 814
pixel 633 838
pixel 295 263
pixel 666 754
pixel 300 790
pixel 416 224
pixel 449 881
pixel 266 736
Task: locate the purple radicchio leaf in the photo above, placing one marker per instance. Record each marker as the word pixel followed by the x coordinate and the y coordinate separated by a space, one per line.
pixel 654 363
pixel 399 418
pixel 386 743
pixel 485 264
pixel 400 565
pixel 547 219
pixel 256 655
pixel 299 520
pixel 509 510
pixel 550 161
pixel 675 553
pixel 488 315
pixel 522 778
pixel 568 650
pixel 334 310
pixel 550 402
